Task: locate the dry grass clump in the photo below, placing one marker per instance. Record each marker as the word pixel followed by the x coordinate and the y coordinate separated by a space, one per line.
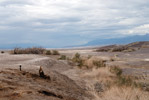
pixel 108 83
pixel 123 93
pixel 88 62
pixel 116 70
pixel 48 52
pixel 101 74
pixel 55 52
pixel 94 62
pixel 78 60
pixel 100 63
pixel 63 57
pixel 33 50
pixel 122 80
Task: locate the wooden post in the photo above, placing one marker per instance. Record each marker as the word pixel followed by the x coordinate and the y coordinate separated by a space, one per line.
pixel 20 67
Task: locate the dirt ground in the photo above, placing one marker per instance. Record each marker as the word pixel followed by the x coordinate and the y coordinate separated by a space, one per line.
pixel 27 85
pixel 62 81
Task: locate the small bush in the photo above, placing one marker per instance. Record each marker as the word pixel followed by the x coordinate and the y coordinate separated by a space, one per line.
pixel 34 50
pixel 48 52
pixel 2 52
pixel 100 63
pixel 116 70
pixel 125 80
pixel 55 52
pixel 77 59
pixel 63 57
pixel 80 63
pixel 122 79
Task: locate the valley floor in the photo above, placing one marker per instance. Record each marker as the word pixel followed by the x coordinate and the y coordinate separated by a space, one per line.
pixel 69 82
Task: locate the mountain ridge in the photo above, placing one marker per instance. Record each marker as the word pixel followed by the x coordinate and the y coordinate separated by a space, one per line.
pixel 124 40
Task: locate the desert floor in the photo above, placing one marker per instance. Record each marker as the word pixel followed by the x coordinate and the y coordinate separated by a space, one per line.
pixel 68 82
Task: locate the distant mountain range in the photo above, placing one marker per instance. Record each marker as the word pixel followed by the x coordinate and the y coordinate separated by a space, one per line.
pixel 124 40
pixel 19 45
pixel 96 42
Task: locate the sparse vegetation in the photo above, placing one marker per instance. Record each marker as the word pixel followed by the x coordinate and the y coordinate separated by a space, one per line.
pixel 94 62
pixel 102 76
pixel 76 57
pixel 55 52
pixel 78 60
pixel 63 57
pixel 48 52
pixel 100 63
pixel 116 70
pixel 122 48
pixel 88 62
pixel 119 49
pixel 34 50
pixel 123 79
pixel 126 80
pixel 108 83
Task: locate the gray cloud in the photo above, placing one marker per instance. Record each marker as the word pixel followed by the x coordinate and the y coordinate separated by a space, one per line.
pixel 66 22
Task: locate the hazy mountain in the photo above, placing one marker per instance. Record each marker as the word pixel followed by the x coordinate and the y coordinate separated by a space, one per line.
pixel 124 40
pixel 20 45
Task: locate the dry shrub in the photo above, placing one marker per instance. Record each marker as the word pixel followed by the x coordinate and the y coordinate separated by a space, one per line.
pixel 123 93
pixel 101 75
pixel 123 80
pixel 63 57
pixel 48 52
pixel 88 62
pixel 55 52
pixel 76 57
pixel 93 62
pixel 34 50
pixel 98 80
pixel 122 49
pixel 100 63
pixel 102 83
pixel 116 70
pixel 78 60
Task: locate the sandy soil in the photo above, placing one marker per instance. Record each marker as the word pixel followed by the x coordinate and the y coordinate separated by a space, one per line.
pixel 27 85
pixel 133 63
pixel 62 81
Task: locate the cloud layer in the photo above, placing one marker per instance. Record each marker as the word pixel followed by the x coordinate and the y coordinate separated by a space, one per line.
pixel 70 22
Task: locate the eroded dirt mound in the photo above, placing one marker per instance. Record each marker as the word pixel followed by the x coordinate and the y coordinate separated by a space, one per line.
pixel 22 85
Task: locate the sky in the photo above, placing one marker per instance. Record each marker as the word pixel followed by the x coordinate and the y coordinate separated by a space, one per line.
pixel 60 23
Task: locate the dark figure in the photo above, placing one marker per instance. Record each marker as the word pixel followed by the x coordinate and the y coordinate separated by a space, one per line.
pixel 20 67
pixel 41 73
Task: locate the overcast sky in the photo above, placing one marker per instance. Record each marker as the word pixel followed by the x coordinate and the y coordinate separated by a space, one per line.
pixel 61 23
